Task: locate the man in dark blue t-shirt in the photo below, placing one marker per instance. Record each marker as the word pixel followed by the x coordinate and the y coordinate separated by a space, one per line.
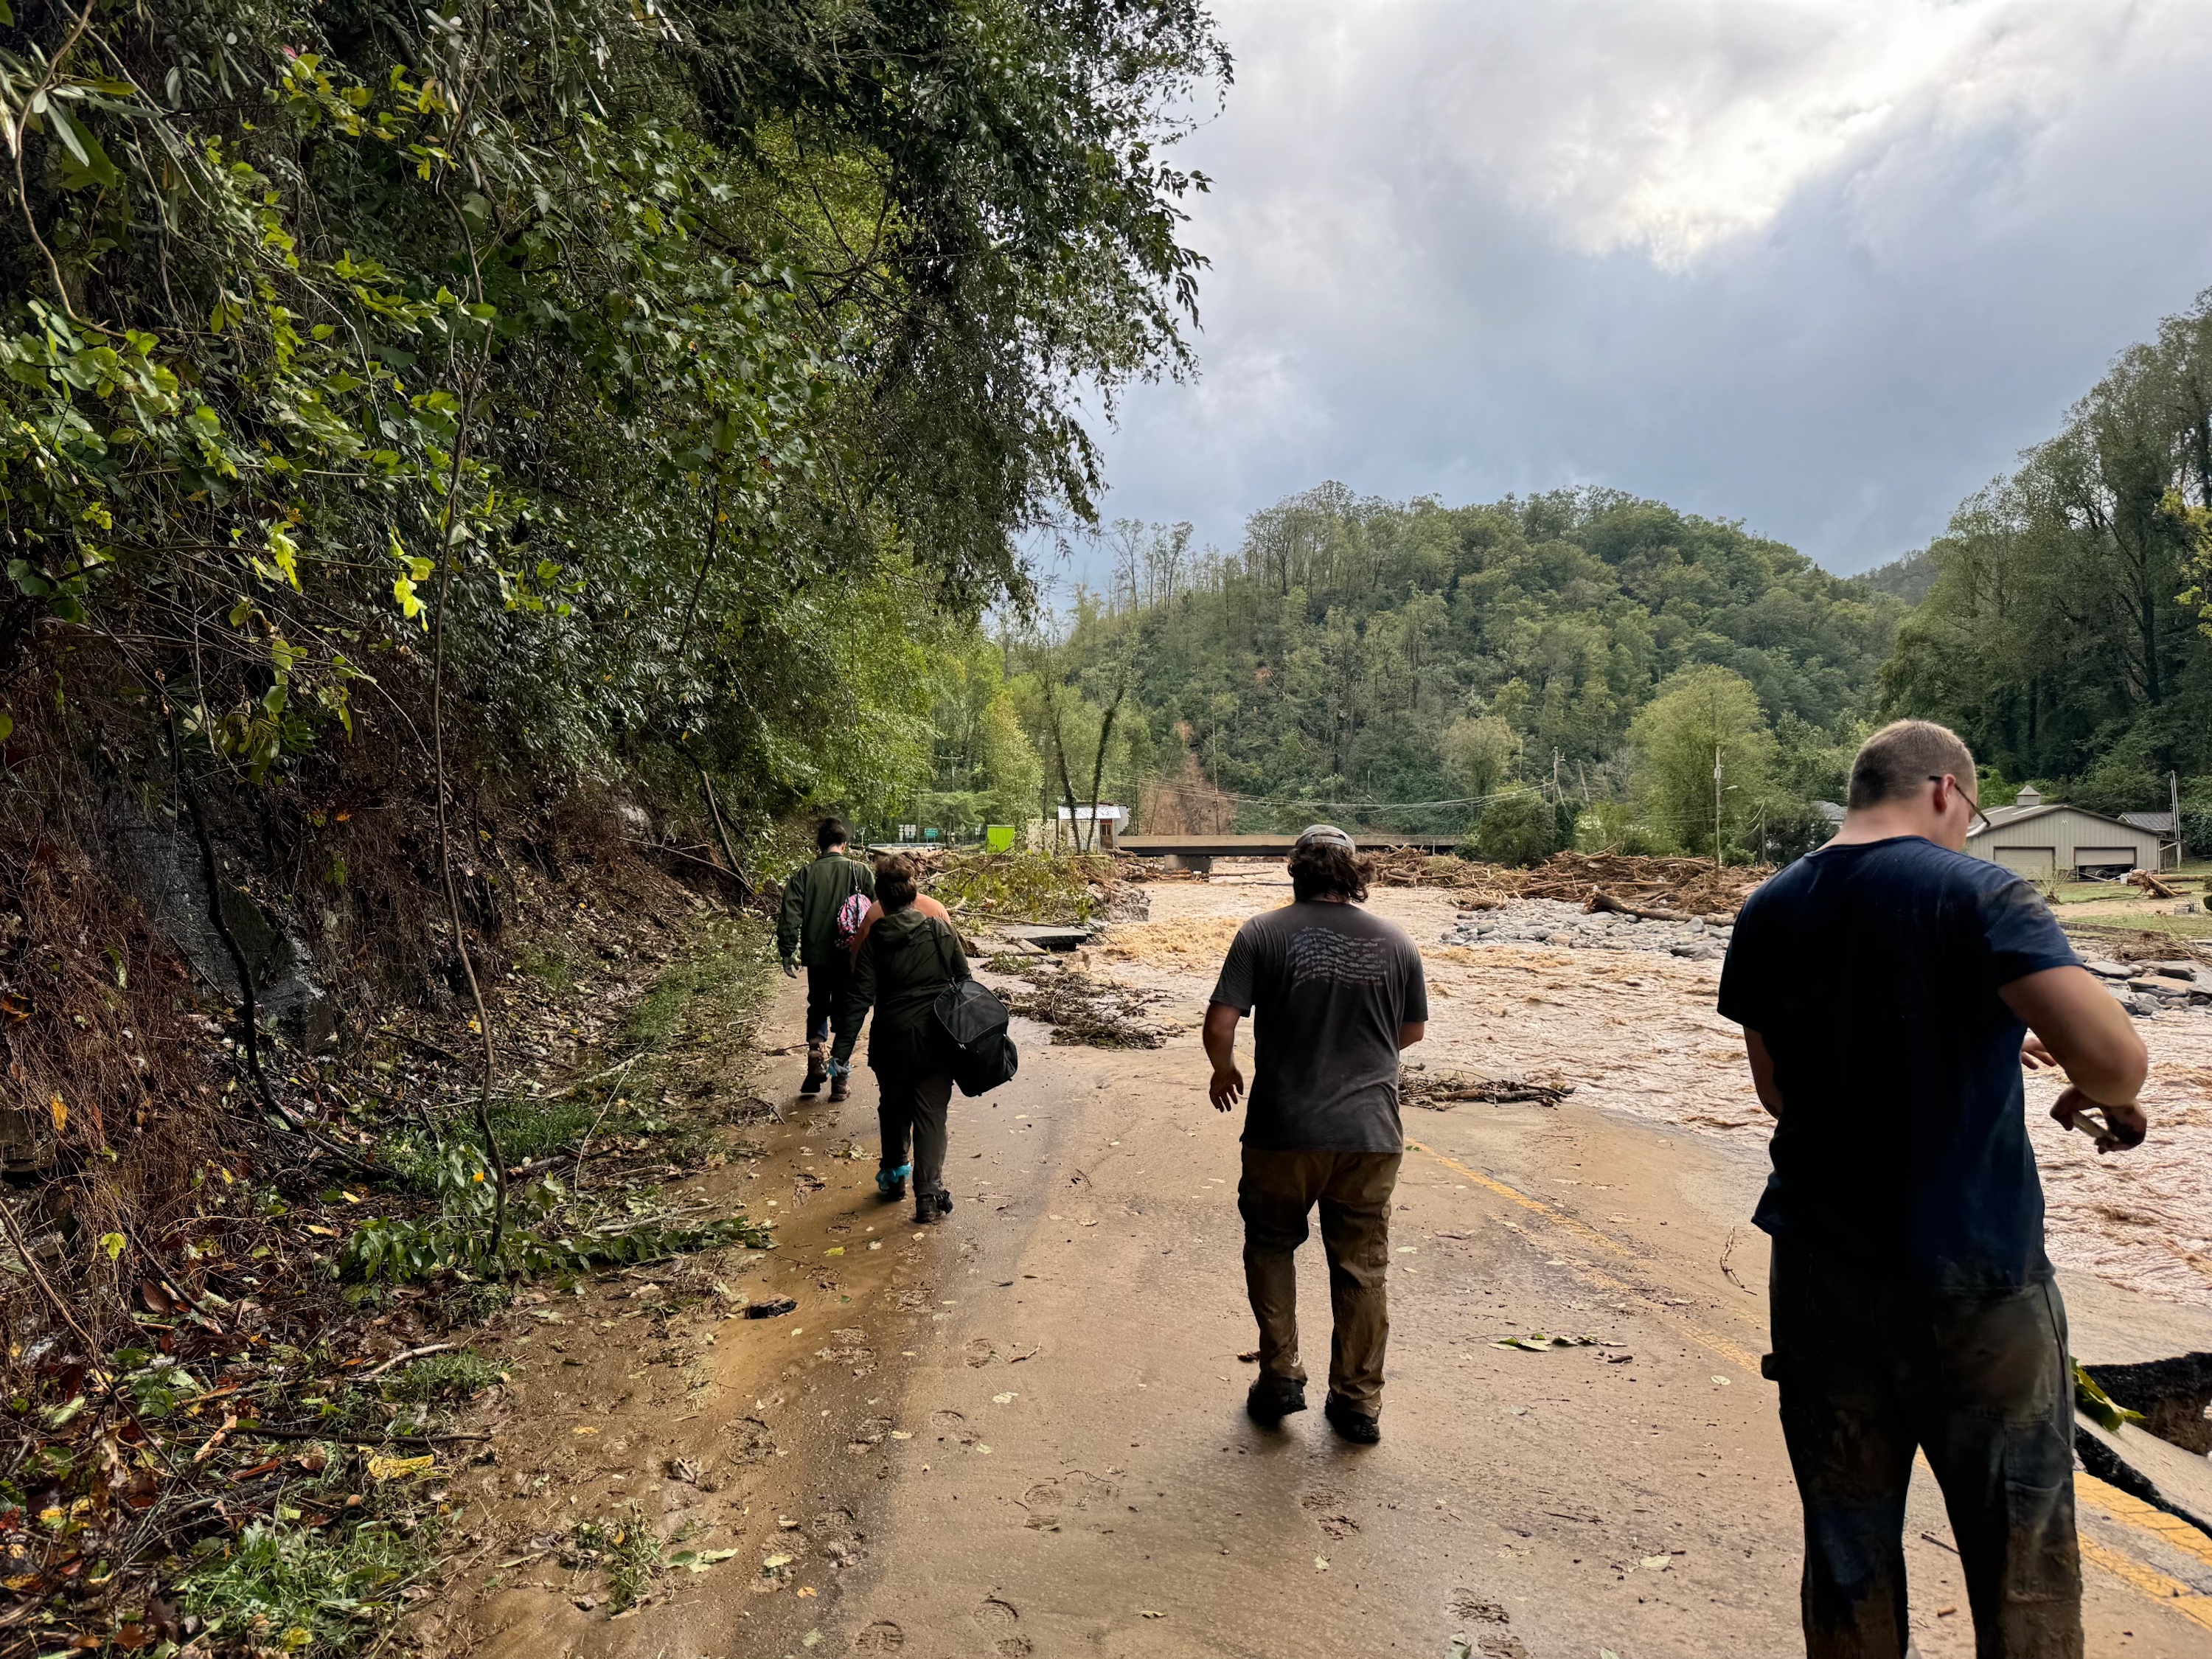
pixel 1885 985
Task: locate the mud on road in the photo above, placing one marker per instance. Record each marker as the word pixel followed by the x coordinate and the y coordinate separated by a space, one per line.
pixel 1020 1432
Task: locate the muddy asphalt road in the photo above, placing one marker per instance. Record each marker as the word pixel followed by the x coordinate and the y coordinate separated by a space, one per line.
pixel 1021 1432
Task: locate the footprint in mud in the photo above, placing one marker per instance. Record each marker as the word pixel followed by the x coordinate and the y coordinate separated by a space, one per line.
pixel 1337 1526
pixel 998 1618
pixel 882 1636
pixel 951 1426
pixel 831 1523
pixel 869 1435
pixel 1322 1499
pixel 980 1351
pixel 1048 1500
pixel 1478 1609
pixel 1501 1647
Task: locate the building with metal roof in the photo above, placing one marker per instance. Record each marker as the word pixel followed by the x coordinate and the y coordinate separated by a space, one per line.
pixel 2043 839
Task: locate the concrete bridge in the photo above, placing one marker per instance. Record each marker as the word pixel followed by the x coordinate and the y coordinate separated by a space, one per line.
pixel 1198 852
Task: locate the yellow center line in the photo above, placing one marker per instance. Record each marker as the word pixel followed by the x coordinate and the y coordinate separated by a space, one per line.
pixel 2132 1511
pixel 1735 1352
pixel 2150 1582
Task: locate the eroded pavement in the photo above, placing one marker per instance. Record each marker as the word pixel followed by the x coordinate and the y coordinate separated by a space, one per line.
pixel 1021 1433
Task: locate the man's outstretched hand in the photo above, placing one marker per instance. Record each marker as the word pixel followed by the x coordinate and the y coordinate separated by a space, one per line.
pixel 1226 1088
pixel 2128 1124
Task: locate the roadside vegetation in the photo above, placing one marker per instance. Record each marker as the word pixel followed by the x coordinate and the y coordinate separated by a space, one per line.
pixel 463 476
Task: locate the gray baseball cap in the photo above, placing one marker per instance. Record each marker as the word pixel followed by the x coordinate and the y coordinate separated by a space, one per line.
pixel 1325 832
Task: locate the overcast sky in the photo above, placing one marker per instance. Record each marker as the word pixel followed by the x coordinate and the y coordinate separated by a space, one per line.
pixel 1822 265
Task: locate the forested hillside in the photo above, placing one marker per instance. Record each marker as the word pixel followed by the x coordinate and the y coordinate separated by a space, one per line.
pixel 1353 655
pixel 2065 631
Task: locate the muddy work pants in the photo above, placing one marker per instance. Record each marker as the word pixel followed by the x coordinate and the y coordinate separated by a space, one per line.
pixel 826 985
pixel 910 1110
pixel 1277 1191
pixel 1870 1371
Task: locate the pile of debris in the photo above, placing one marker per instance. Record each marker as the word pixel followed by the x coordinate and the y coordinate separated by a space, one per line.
pixel 1646 887
pixel 1582 928
pixel 1083 1011
pixel 980 888
pixel 1409 866
pixel 1442 1091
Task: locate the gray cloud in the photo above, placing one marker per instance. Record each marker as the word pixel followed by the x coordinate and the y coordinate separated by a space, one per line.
pixel 1823 265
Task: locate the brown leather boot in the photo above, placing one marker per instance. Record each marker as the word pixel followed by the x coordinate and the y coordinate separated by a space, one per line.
pixel 840 1086
pixel 816 1071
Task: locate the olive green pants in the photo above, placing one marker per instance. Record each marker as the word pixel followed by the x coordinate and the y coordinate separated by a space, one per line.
pixel 1279 1190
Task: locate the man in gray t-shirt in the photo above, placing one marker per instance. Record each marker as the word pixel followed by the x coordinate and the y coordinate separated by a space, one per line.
pixel 1338 994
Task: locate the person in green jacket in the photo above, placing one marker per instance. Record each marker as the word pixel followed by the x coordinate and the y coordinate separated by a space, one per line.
pixel 806 934
pixel 907 958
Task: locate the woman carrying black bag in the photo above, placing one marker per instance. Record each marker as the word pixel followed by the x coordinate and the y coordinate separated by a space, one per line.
pixel 908 957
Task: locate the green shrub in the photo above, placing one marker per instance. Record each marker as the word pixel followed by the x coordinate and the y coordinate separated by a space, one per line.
pixel 1519 829
pixel 1613 826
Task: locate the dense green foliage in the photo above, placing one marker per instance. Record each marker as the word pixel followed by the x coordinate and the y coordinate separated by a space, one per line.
pixel 1354 653
pixel 691 362
pixel 2063 635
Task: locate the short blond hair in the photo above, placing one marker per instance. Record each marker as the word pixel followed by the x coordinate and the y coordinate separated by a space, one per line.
pixel 1903 755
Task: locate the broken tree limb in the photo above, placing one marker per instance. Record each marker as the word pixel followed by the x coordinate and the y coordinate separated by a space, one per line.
pixel 1600 899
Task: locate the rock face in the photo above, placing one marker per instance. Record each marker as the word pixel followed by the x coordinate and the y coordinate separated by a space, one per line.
pixel 161 863
pixel 1552 922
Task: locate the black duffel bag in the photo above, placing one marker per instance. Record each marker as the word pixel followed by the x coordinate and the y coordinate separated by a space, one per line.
pixel 973 1022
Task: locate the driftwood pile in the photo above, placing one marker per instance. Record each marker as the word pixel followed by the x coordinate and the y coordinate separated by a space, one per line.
pixel 1409 866
pixel 1659 890
pixel 1442 1091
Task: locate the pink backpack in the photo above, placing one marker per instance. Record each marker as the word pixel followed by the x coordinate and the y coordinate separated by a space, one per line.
pixel 850 914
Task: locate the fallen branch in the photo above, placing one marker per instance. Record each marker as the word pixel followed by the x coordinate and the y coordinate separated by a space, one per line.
pixel 2151 886
pixel 402 1358
pixel 1599 900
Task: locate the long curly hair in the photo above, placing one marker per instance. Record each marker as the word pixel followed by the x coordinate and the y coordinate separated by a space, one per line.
pixel 1329 870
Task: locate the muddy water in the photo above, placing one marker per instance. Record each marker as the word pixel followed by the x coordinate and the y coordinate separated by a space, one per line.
pixel 1637 1033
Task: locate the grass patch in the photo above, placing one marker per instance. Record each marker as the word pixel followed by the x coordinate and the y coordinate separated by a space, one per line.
pixel 733 981
pixel 2149 921
pixel 532 1126
pixel 555 969
pixel 444 1376
pixel 289 1589
pixel 627 1549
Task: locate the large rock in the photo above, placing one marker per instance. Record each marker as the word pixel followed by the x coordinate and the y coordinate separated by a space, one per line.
pixel 161 864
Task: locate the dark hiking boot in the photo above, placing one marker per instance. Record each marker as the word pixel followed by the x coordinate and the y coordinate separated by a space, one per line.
pixel 929 1208
pixel 840 1084
pixel 1352 1424
pixel 816 1071
pixel 892 1184
pixel 1273 1398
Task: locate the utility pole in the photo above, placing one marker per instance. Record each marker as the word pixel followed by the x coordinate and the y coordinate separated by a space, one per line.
pixel 2173 794
pixel 1717 805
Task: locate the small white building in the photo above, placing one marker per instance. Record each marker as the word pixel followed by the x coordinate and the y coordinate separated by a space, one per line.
pixel 1076 824
pixel 2042 839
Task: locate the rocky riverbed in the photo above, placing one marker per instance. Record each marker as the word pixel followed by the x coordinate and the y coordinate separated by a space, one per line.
pixel 1553 921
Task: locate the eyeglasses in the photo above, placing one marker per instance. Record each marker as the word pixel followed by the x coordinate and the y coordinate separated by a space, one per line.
pixel 1981 818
